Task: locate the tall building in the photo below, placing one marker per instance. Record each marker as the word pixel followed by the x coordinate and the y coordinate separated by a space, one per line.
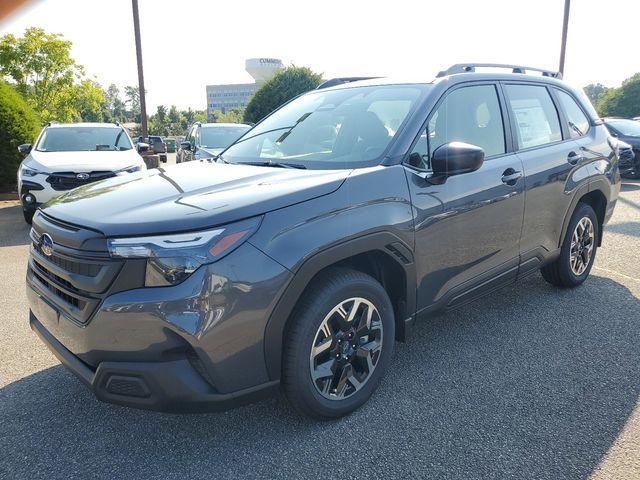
pixel 236 95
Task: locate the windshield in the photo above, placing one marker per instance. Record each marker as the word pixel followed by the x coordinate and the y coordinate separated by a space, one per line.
pixel 630 128
pixel 220 137
pixel 83 139
pixel 345 128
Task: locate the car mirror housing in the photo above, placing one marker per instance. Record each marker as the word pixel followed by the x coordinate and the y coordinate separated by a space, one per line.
pixel 456 158
pixel 25 148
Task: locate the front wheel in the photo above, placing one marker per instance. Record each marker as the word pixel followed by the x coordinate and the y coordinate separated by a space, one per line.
pixel 578 250
pixel 339 344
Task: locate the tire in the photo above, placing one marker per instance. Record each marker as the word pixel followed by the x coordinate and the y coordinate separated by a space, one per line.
pixel 349 289
pixel 28 216
pixel 561 273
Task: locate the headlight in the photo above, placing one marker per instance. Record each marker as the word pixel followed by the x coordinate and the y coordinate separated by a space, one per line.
pixel 29 172
pixel 131 169
pixel 172 258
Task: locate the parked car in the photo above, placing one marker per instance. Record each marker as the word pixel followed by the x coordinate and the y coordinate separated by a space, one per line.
pixel 157 146
pixel 66 156
pixel 171 145
pixel 628 131
pixel 207 140
pixel 296 259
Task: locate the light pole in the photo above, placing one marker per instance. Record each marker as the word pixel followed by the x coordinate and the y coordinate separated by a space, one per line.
pixel 565 27
pixel 143 103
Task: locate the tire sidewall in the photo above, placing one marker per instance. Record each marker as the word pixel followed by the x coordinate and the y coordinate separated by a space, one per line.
pixel 313 317
pixel 566 272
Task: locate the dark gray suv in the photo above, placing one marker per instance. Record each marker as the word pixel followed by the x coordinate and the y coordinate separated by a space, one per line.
pixel 297 258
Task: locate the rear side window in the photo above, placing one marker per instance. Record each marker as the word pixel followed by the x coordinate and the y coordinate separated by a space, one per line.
pixel 468 114
pixel 535 114
pixel 577 120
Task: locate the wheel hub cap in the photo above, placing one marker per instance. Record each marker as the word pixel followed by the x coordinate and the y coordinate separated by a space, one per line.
pixel 346 348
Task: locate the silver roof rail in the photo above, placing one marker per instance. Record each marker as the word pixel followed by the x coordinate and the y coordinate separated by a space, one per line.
pixel 340 80
pixel 471 67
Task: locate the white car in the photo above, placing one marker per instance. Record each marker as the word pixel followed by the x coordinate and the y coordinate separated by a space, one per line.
pixel 66 156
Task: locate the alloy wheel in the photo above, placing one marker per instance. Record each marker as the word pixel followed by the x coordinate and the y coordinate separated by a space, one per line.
pixel 346 348
pixel 582 243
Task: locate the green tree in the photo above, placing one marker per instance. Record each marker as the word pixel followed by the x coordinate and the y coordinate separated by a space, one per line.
pixel 90 102
pixel 595 91
pixel 115 105
pixel 132 95
pixel 18 125
pixel 284 86
pixel 43 70
pixel 623 101
pixel 230 116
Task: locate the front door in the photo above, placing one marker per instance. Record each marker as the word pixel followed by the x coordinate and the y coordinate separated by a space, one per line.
pixel 468 228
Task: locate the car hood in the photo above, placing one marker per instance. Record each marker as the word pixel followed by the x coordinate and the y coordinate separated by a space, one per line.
pixel 188 196
pixel 633 141
pixel 83 161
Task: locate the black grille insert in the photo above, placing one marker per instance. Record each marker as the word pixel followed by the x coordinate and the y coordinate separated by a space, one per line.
pixel 61 181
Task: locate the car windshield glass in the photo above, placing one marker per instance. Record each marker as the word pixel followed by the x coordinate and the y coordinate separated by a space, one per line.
pixel 630 128
pixel 83 139
pixel 220 137
pixel 343 128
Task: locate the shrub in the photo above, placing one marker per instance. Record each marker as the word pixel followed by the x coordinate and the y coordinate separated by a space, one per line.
pixel 284 86
pixel 18 125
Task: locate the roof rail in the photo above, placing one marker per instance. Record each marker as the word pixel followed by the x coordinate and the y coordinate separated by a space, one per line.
pixel 471 67
pixel 340 80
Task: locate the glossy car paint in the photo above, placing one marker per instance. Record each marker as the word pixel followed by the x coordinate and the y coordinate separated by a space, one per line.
pixel 452 242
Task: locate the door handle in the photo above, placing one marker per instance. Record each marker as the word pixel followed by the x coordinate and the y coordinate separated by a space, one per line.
pixel 573 158
pixel 511 176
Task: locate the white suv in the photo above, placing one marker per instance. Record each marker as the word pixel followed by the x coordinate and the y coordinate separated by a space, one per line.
pixel 66 156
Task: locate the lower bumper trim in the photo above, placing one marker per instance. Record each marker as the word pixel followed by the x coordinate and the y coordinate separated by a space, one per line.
pixel 172 386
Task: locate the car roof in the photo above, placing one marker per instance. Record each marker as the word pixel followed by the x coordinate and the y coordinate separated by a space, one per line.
pixel 82 125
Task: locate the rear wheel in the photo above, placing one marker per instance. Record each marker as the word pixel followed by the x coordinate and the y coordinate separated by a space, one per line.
pixel 578 250
pixel 339 344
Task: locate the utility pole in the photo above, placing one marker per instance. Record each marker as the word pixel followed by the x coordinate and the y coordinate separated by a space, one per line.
pixel 143 104
pixel 565 27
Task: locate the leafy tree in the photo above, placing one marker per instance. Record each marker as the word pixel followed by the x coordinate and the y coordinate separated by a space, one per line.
pixel 18 124
pixel 594 92
pixel 115 105
pixel 133 101
pixel 623 101
pixel 41 66
pixel 90 102
pixel 230 116
pixel 284 86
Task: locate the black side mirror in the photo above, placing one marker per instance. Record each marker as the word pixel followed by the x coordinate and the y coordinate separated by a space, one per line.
pixel 25 148
pixel 142 147
pixel 456 158
pixel 186 145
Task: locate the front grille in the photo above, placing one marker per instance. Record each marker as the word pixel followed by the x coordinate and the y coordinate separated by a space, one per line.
pixel 74 280
pixel 61 181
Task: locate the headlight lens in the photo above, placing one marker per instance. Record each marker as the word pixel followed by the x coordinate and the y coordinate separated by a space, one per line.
pixel 29 172
pixel 131 169
pixel 172 258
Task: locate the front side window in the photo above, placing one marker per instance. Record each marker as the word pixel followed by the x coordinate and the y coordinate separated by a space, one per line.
pixel 536 117
pixel 83 139
pixel 325 129
pixel 469 114
pixel 577 120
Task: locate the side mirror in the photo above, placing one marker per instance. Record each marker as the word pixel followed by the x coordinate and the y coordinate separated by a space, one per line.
pixel 186 145
pixel 142 147
pixel 456 158
pixel 25 148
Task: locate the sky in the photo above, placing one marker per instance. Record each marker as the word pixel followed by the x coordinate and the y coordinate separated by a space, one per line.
pixel 192 43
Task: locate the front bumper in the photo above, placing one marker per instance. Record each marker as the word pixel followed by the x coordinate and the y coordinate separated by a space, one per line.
pixel 172 386
pixel 195 343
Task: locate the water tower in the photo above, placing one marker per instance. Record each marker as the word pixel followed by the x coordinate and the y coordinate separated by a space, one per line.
pixel 262 69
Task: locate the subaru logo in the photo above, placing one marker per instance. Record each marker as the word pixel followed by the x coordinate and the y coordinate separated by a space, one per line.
pixel 46 244
pixel 82 176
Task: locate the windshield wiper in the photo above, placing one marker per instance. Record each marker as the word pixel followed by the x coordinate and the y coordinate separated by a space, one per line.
pixel 274 164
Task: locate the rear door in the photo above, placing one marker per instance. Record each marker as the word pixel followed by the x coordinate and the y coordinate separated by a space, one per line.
pixel 468 228
pixel 551 160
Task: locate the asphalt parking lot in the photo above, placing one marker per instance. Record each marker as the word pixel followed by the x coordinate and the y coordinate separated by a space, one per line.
pixel 531 382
